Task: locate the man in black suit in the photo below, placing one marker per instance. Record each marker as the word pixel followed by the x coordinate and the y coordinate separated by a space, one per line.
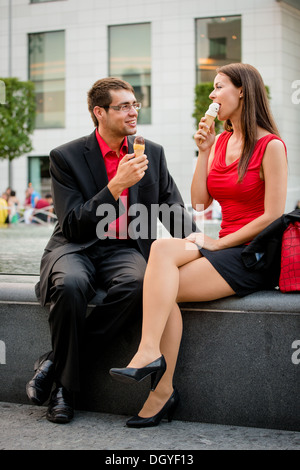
pixel 107 201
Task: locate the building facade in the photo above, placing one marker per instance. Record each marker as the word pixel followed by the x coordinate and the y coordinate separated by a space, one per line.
pixel 163 48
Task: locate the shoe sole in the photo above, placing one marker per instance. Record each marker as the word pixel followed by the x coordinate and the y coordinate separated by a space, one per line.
pixel 33 400
pixel 131 380
pixel 59 420
pixel 126 379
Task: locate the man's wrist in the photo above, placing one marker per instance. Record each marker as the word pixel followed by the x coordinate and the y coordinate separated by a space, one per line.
pixel 115 189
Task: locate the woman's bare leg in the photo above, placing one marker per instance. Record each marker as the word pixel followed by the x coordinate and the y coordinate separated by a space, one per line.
pixel 169 345
pixel 175 272
pixel 160 292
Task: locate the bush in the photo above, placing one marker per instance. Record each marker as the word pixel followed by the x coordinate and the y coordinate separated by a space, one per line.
pixel 202 102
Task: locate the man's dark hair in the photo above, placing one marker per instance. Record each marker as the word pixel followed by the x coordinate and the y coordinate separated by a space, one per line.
pixel 99 94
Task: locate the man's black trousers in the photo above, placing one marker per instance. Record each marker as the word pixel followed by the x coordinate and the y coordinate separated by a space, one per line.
pixel 115 265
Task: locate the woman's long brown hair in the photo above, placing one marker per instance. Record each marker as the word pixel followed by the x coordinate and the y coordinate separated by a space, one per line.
pixel 255 110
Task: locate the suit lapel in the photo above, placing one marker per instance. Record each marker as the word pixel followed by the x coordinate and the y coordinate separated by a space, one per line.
pixel 95 162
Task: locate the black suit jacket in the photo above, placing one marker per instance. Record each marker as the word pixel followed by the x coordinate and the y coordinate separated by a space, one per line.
pixel 264 252
pixel 79 186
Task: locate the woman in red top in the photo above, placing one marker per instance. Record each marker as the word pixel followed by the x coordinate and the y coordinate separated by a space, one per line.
pixel 245 169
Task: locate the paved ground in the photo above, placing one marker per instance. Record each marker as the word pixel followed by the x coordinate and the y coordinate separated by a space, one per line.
pixel 24 427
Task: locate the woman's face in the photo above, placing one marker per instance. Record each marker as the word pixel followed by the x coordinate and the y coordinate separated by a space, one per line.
pixel 228 96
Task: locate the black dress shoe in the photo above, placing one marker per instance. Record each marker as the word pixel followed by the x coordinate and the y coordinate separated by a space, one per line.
pixel 39 387
pixel 60 409
pixel 167 410
pixel 156 369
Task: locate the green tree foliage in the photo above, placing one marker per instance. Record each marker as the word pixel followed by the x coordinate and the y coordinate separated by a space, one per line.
pixel 17 118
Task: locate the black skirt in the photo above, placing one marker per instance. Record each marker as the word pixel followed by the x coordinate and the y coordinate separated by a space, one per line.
pixel 230 266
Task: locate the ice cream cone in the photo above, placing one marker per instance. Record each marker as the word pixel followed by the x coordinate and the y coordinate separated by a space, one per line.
pixel 139 146
pixel 211 114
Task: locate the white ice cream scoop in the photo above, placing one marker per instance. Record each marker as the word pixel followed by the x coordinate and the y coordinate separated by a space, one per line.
pixel 211 114
pixel 213 109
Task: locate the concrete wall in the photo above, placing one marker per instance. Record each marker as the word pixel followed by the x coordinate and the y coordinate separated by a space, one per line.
pixel 238 363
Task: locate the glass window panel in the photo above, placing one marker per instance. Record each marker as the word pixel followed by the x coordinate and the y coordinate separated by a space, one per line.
pixel 43 1
pixel 38 174
pixel 130 59
pixel 218 42
pixel 47 71
pixel 34 173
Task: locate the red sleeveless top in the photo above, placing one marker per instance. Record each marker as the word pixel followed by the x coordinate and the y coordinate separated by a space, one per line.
pixel 240 202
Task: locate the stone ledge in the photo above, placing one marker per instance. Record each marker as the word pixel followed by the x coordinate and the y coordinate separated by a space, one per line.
pixel 266 301
pixel 235 364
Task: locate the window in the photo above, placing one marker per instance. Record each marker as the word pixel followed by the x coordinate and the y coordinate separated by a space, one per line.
pixel 217 48
pixel 47 71
pixel 130 59
pixel 38 174
pixel 218 42
pixel 43 1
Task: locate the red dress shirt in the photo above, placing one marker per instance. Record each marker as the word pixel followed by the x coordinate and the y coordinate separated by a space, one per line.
pixel 118 228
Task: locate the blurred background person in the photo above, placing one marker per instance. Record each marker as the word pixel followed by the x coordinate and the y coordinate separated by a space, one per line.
pixel 3 209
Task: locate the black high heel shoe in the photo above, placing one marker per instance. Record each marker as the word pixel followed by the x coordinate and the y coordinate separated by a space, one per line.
pixel 156 369
pixel 167 410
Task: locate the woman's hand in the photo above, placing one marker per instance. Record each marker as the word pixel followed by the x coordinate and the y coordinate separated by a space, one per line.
pixel 205 136
pixel 204 241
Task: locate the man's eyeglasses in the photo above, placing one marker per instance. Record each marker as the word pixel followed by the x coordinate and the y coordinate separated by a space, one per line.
pixel 125 107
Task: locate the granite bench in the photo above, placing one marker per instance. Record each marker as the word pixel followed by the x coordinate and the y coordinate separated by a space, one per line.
pixel 239 361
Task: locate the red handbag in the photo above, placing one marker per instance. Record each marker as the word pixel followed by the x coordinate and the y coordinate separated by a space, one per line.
pixel 289 279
